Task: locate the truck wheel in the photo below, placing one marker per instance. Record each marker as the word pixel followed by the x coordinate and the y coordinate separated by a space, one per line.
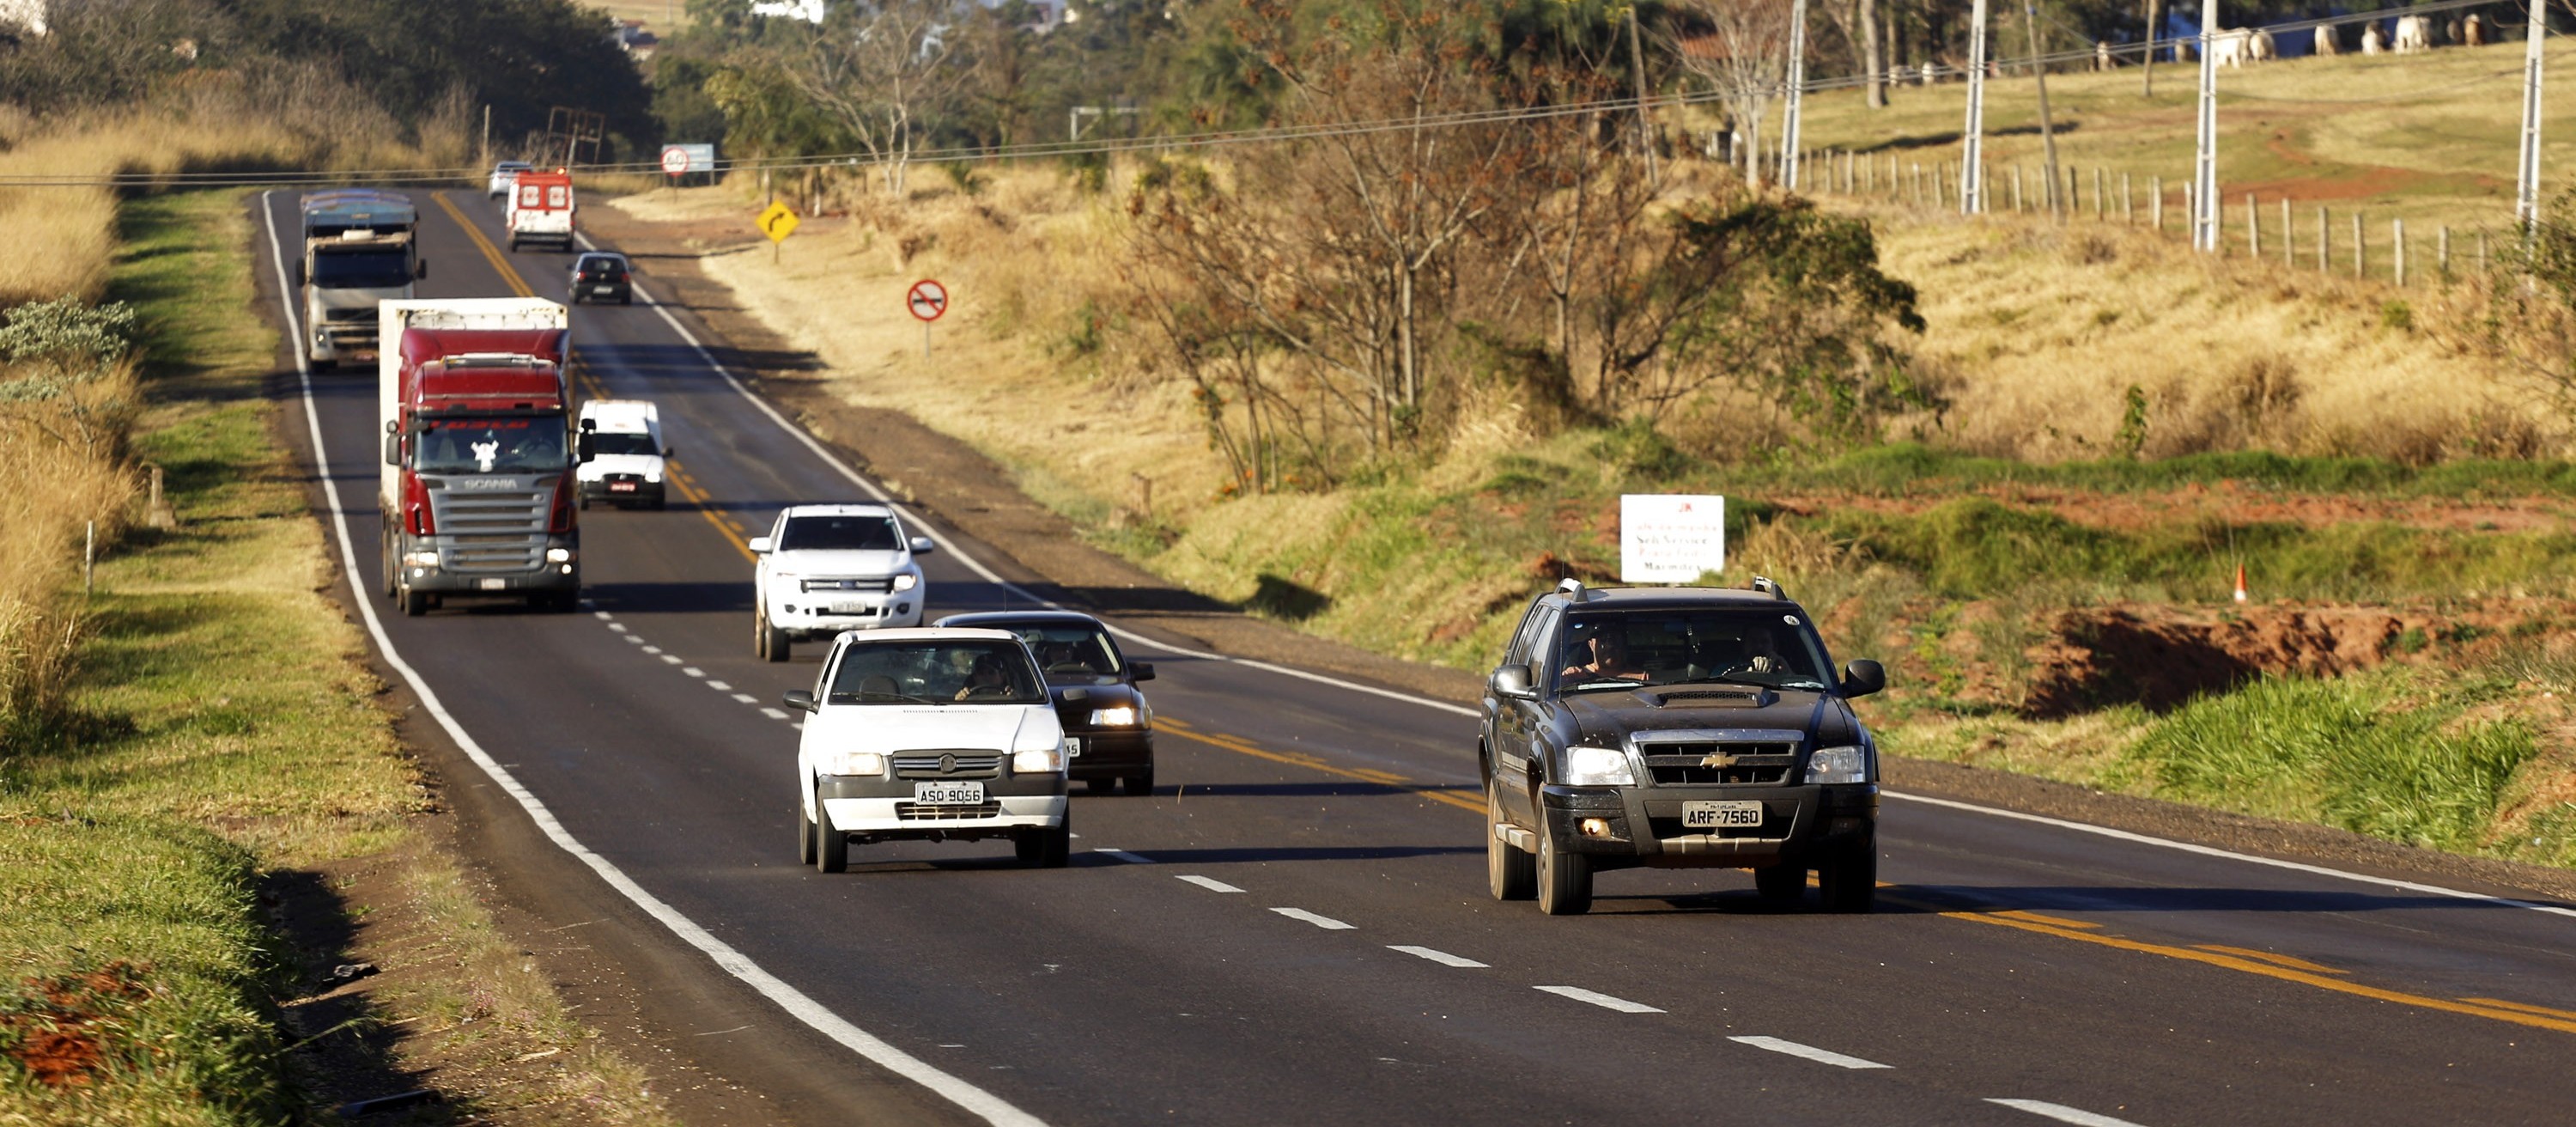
pixel 322 365
pixel 1141 784
pixel 414 603
pixel 805 833
pixel 1045 849
pixel 1782 885
pixel 584 503
pixel 514 244
pixel 1850 881
pixel 831 846
pixel 773 643
pixel 1510 873
pixel 1564 879
pixel 388 565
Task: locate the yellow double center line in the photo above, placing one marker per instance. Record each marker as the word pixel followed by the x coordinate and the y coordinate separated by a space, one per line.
pixel 674 474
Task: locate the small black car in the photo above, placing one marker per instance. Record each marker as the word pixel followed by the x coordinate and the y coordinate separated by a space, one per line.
pixel 1678 728
pixel 600 276
pixel 1094 686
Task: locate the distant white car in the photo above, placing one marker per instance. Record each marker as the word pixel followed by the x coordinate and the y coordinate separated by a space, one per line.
pixel 828 568
pixel 937 734
pixel 503 175
pixel 625 467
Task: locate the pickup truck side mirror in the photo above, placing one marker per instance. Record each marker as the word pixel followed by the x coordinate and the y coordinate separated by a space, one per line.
pixel 921 546
pixel 1140 671
pixel 393 450
pixel 1512 682
pixel 799 699
pixel 666 451
pixel 759 545
pixel 585 447
pixel 1863 677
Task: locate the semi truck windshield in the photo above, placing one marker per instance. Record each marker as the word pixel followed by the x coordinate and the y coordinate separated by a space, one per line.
pixel 491 444
pixel 361 270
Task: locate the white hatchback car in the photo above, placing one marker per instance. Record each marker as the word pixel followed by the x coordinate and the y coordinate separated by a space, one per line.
pixel 505 174
pixel 828 568
pixel 930 735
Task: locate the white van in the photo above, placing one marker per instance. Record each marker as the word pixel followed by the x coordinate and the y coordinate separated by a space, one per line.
pixel 626 453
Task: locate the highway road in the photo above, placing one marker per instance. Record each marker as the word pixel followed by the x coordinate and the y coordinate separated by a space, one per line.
pixel 1295 927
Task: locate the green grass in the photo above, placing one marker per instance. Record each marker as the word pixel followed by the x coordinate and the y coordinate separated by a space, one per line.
pixel 1910 469
pixel 220 726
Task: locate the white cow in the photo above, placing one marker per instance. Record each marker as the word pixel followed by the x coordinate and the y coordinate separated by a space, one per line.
pixel 1927 74
pixel 2101 55
pixel 2371 43
pixel 2262 47
pixel 2474 33
pixel 2229 48
pixel 2326 44
pixel 2414 33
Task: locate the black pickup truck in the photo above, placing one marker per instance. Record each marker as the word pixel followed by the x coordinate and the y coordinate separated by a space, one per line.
pixel 1677 727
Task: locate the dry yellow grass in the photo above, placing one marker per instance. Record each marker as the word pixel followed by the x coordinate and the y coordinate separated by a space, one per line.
pixel 50 489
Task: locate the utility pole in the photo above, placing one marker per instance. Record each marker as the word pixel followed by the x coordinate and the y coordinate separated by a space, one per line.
pixel 1637 72
pixel 487 134
pixel 2526 185
pixel 1797 86
pixel 2204 161
pixel 2047 136
pixel 1972 157
pixel 2147 78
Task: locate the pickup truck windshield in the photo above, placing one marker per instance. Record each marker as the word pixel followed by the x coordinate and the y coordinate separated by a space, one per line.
pixel 481 444
pixel 1626 649
pixel 361 270
pixel 961 672
pixel 840 534
pixel 621 442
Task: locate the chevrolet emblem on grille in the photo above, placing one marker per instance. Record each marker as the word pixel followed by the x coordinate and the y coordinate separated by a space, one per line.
pixel 1719 760
pixel 948 765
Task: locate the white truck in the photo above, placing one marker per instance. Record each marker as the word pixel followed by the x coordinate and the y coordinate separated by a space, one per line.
pixel 540 209
pixel 477 491
pixel 360 247
pixel 627 451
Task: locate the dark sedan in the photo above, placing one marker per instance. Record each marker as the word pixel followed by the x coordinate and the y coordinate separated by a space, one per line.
pixel 1094 687
pixel 601 276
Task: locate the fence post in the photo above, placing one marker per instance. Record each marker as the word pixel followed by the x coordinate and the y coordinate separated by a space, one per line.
pixel 2156 200
pixel 2397 239
pixel 2360 249
pixel 89 557
pixel 2325 243
pixel 1918 183
pixel 2482 250
pixel 2289 237
pixel 2442 257
pixel 2017 207
pixel 2128 203
pixel 1869 176
pixel 2098 212
pixel 2253 229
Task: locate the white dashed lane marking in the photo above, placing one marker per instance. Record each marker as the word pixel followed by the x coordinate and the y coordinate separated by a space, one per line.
pixel 773 714
pixel 1123 855
pixel 651 649
pixel 2063 1113
pixel 746 698
pixel 671 658
pixel 1209 883
pixel 1807 1052
pixel 620 627
pixel 720 686
pixel 694 671
pixel 1327 923
pixel 1602 1000
pixel 1443 958
pixel 640 642
pixel 602 615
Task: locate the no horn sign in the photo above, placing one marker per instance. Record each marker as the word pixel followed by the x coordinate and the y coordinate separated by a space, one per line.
pixel 927 300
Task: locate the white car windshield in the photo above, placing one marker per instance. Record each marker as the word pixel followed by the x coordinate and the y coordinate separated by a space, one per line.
pixel 976 671
pixel 621 442
pixel 855 533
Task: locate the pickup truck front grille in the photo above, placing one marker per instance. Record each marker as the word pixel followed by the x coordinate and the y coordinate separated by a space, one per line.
pixel 1720 764
pixel 879 585
pixel 495 530
pixel 959 765
pixel 916 812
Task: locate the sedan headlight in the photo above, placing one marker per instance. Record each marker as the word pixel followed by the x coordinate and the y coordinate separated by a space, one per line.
pixel 856 763
pixel 1838 765
pixel 1039 761
pixel 906 581
pixel 1598 767
pixel 1123 716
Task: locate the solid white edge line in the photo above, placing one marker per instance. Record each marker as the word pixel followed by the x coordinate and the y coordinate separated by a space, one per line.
pixel 977 566
pixel 2063 1113
pixel 2214 851
pixel 1807 1052
pixel 1443 958
pixel 1123 855
pixel 1209 883
pixel 992 1108
pixel 1327 923
pixel 1597 998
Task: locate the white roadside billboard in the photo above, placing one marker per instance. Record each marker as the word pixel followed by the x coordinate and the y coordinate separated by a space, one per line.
pixel 1670 537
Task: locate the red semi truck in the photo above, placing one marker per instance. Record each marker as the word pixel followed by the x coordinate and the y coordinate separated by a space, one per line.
pixel 478 490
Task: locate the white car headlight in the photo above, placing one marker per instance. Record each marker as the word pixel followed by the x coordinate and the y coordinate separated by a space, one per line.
pixel 856 763
pixel 906 581
pixel 1039 761
pixel 1598 767
pixel 1838 765
pixel 1123 716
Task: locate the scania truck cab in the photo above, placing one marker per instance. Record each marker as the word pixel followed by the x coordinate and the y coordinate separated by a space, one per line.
pixel 478 490
pixel 360 247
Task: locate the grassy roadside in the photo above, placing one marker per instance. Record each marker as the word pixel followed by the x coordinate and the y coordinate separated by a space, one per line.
pixel 225 741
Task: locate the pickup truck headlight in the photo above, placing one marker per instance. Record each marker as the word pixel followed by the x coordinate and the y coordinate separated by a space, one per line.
pixel 1598 767
pixel 856 763
pixel 1047 760
pixel 1123 716
pixel 906 581
pixel 1838 765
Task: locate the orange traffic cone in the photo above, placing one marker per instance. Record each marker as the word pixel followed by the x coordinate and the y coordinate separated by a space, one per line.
pixel 2240 583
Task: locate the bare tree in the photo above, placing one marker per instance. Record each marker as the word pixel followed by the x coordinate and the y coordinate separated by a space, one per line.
pixel 1741 50
pixel 879 70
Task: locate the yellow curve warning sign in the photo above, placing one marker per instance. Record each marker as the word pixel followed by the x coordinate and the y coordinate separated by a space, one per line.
pixel 777 222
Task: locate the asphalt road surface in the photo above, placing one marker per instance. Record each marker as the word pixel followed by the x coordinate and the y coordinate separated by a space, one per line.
pixel 1295 928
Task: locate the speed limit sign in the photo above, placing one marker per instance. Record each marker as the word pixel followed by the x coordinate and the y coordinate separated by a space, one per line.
pixel 675 160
